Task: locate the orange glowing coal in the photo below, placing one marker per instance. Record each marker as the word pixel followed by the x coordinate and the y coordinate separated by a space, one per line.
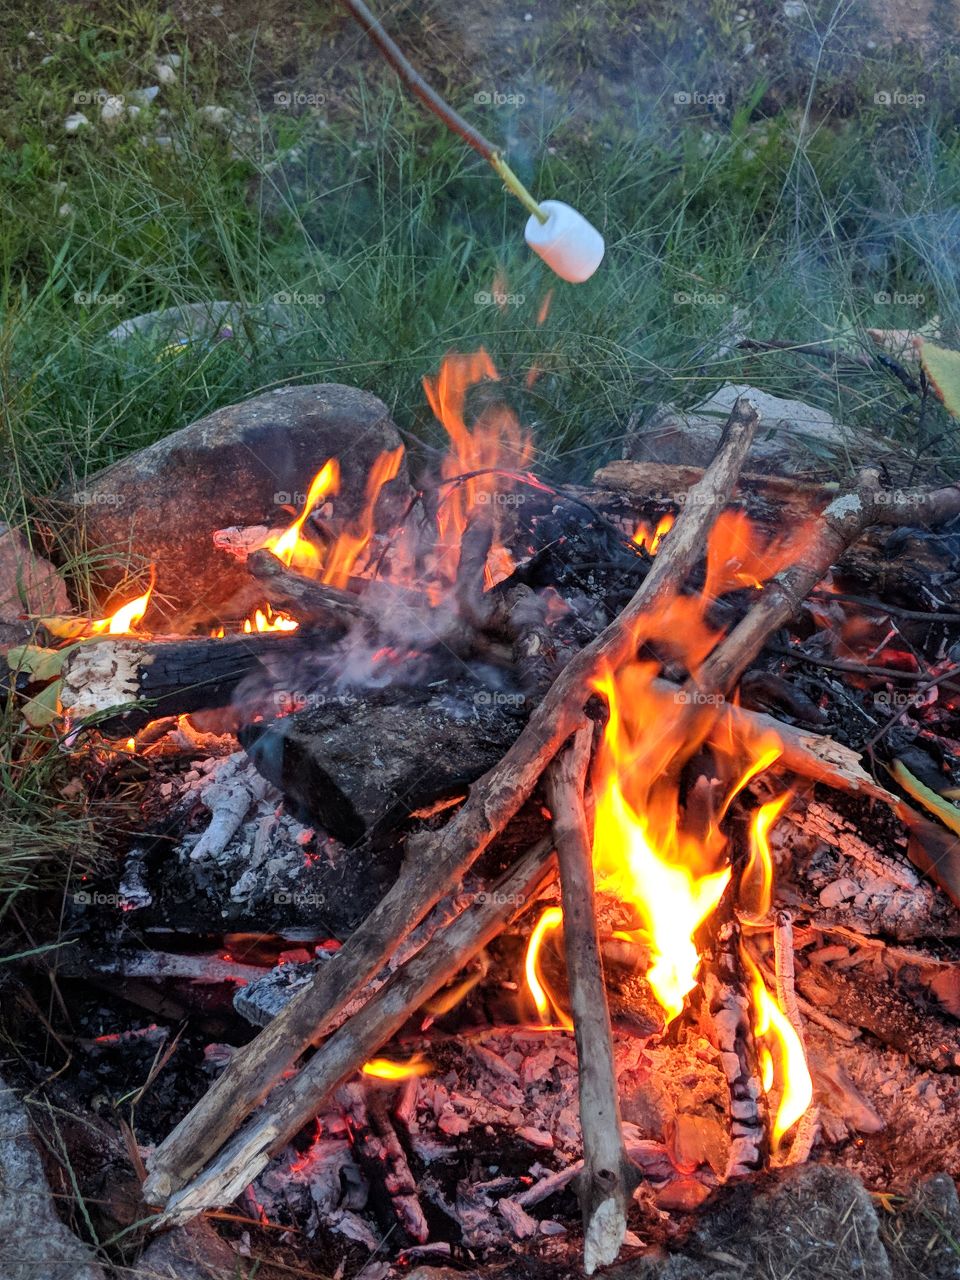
pixel 389 1069
pixel 123 621
pixel 296 551
pixel 482 455
pixel 649 539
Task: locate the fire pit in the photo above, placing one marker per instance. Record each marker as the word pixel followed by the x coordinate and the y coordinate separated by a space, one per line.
pixel 528 826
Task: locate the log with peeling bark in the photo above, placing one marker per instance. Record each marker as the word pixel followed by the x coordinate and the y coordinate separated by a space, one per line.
pixel 725 1016
pixel 434 862
pixel 144 680
pixel 608 1178
pixel 297 1099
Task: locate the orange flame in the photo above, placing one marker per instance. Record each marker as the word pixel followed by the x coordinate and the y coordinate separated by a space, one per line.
pixel 388 1069
pixel 757 879
pixel 266 620
pixel 552 918
pixel 291 547
pixel 782 1058
pixel 123 621
pixel 496 442
pixel 739 556
pixel 650 540
pixel 351 544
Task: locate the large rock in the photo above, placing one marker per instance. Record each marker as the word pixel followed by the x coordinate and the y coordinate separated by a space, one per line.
pixel 34 1243
pixel 793 437
pixel 240 465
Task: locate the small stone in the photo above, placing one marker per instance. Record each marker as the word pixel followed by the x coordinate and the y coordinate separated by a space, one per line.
pixel 794 9
pixel 684 1195
pixel 75 122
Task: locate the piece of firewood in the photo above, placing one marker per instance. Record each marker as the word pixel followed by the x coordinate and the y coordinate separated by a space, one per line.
pixel 608 1178
pixel 436 861
pixel 144 680
pixel 297 1099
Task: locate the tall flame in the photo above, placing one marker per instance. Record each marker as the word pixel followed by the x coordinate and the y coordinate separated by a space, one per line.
pixel 495 442
pixel 783 1061
pixel 551 919
pixel 352 542
pixel 291 547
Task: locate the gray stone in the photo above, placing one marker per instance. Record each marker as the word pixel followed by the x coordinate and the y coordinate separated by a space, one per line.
pixel 193 1252
pixel 793 437
pixel 192 321
pixel 241 465
pixel 34 1243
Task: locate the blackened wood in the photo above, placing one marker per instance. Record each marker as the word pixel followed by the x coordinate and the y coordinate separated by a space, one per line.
pixel 143 680
pixel 359 764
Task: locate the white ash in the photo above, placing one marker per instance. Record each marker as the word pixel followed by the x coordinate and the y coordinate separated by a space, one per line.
pixel 871 890
pixel 249 832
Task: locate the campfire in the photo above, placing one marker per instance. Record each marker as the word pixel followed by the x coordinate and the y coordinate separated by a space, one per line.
pixel 556 887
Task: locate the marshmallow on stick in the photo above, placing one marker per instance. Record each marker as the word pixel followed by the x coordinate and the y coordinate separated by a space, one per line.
pixel 567 242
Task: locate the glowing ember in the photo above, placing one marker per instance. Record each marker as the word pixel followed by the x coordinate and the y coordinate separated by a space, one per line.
pixel 551 919
pixel 291 547
pixel 123 621
pixel 388 1069
pixel 649 539
pixel 783 1061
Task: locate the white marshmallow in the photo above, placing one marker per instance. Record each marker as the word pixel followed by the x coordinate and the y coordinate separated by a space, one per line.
pixel 566 241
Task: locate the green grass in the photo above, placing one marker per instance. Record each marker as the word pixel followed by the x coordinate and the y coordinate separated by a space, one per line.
pixel 796 215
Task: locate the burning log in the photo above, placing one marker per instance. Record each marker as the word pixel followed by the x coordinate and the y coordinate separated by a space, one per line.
pixel 434 862
pixel 295 1101
pixel 726 1017
pixel 315 602
pixel 608 1178
pixel 144 680
pixel 383 1159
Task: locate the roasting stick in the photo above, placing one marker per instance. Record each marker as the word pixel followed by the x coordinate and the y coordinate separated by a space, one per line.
pixel 608 1177
pixel 295 1102
pixel 436 860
